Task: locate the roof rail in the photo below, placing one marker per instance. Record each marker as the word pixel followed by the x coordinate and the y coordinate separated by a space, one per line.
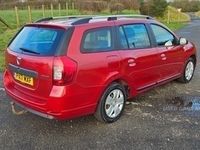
pixel 44 19
pixel 82 19
pixel 108 18
pixel 115 17
pixel 62 17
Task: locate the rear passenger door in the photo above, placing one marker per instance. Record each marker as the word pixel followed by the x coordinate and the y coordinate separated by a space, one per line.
pixel 98 60
pixel 139 58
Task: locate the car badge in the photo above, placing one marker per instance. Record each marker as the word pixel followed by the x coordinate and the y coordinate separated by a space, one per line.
pixel 18 60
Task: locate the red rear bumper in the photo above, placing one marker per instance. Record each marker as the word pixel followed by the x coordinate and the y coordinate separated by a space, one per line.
pixel 50 107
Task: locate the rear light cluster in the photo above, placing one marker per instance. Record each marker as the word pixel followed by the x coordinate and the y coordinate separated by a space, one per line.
pixel 64 70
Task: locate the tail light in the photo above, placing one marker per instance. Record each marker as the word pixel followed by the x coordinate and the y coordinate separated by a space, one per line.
pixel 64 70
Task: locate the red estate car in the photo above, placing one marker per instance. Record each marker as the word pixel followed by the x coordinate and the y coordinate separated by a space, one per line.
pixel 68 67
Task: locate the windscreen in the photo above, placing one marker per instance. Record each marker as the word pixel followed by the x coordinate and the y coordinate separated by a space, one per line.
pixel 37 40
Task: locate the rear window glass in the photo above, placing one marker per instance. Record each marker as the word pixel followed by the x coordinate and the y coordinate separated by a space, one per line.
pixel 37 40
pixel 97 40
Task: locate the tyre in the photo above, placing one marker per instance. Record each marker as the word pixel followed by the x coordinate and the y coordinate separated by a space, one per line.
pixel 188 71
pixel 111 104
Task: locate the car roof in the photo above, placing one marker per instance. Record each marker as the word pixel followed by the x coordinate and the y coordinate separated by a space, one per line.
pixel 66 21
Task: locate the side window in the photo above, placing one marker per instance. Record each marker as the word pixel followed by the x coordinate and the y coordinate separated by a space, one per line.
pixel 97 40
pixel 137 36
pixel 162 35
pixel 122 38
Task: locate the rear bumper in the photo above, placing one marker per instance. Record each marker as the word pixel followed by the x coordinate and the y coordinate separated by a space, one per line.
pixel 33 108
pixel 34 112
pixel 53 108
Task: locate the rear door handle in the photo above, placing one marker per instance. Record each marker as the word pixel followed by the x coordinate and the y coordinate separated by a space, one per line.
pixel 131 62
pixel 163 56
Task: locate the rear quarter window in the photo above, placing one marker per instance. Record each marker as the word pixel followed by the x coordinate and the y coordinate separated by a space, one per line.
pixel 37 40
pixel 97 40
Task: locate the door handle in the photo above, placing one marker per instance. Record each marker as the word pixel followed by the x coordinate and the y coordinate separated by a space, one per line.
pixel 131 62
pixel 163 56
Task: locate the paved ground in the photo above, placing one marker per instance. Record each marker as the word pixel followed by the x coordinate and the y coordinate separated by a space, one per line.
pixel 167 117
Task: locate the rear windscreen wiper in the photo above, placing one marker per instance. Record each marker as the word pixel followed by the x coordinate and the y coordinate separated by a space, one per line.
pixel 29 51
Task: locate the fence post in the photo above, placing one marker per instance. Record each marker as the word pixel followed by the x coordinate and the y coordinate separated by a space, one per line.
pixel 179 14
pixel 17 16
pixel 73 6
pixel 168 16
pixel 59 9
pixel 67 8
pixel 29 14
pixel 51 10
pixel 43 11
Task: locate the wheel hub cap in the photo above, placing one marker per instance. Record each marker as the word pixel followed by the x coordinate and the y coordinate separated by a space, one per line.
pixel 114 103
pixel 189 70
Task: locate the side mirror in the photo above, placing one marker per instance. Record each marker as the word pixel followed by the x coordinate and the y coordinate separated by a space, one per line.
pixel 183 41
pixel 168 44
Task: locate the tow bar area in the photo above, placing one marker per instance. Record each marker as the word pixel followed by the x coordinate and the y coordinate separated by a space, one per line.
pixel 25 110
pixel 17 112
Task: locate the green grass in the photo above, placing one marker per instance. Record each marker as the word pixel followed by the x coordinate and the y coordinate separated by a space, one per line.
pixel 4 39
pixel 175 15
pixel 175 25
pixel 10 18
pixel 2 62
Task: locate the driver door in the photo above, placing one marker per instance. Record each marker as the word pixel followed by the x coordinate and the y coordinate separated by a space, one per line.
pixel 171 60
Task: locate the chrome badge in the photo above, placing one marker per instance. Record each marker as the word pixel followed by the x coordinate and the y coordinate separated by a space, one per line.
pixel 18 60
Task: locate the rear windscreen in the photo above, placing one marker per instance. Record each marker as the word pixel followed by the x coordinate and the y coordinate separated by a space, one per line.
pixel 37 40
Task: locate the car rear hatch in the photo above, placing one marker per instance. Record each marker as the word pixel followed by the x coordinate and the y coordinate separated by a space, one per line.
pixel 30 57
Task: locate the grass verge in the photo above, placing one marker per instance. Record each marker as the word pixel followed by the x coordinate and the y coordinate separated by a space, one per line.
pixel 175 25
pixel 4 39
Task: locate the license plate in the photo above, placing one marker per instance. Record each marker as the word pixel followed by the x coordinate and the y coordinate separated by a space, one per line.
pixel 24 79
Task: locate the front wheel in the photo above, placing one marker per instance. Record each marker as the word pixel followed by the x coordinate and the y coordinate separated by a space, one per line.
pixel 111 104
pixel 188 71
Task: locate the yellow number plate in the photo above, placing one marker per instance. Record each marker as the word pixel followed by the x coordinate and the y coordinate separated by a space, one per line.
pixel 23 79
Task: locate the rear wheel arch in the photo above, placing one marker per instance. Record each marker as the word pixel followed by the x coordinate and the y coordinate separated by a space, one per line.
pixel 119 81
pixel 100 112
pixel 124 84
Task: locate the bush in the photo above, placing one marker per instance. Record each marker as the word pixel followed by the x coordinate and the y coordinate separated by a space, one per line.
pixel 116 7
pixel 155 8
pixel 186 5
pixel 131 4
pixel 90 5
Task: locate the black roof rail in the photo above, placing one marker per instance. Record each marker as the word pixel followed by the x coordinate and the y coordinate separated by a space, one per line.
pixel 112 18
pixel 64 17
pixel 44 19
pixel 81 21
